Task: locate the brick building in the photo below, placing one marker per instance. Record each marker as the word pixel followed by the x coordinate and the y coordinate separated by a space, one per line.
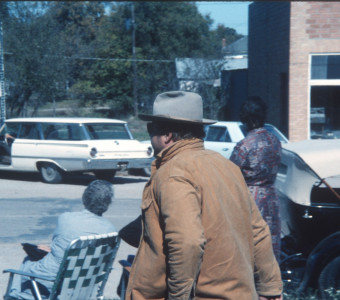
pixel 294 65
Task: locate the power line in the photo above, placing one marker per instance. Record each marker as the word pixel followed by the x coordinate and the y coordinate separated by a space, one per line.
pixel 121 59
pixel 106 59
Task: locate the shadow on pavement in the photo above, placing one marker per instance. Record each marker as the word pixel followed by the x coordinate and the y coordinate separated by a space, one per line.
pixel 20 176
pixel 75 179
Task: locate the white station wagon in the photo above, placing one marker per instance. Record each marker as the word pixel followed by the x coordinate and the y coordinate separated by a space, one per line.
pixel 55 146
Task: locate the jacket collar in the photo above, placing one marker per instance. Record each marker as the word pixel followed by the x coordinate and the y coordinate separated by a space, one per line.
pixel 180 146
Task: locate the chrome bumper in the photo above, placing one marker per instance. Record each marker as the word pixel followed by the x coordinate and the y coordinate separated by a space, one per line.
pixel 118 164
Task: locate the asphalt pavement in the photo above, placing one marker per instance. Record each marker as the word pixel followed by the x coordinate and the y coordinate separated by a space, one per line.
pixel 29 211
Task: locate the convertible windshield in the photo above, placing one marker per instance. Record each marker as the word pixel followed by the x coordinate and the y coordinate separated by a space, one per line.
pixel 218 134
pixel 270 128
pixel 107 131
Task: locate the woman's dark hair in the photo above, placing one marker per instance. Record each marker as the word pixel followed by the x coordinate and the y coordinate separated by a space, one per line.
pixel 253 112
pixel 179 131
pixel 98 196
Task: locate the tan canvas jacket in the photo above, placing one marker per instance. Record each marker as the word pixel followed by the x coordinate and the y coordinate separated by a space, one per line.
pixel 203 236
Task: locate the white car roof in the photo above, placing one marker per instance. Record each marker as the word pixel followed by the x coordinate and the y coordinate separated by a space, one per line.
pixel 66 120
pixel 219 123
pixel 322 156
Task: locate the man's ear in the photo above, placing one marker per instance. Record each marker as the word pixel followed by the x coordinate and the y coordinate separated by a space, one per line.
pixel 168 138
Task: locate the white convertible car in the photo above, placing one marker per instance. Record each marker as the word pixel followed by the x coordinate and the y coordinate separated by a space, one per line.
pixel 223 136
pixel 55 146
pixel 308 183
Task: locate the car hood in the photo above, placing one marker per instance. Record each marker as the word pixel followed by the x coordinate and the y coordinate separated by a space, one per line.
pixel 308 164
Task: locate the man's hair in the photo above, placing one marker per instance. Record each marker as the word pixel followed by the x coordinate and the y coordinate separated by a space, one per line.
pixel 98 196
pixel 181 131
pixel 253 112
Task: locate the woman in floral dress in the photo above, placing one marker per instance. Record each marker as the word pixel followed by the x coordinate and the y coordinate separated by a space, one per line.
pixel 258 155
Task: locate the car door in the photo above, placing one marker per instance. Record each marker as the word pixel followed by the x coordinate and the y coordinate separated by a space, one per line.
pixel 24 148
pixel 218 138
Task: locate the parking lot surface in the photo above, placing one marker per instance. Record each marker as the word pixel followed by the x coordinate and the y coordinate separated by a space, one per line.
pixel 30 208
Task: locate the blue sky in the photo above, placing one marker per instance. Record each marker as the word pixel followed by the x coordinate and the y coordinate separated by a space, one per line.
pixel 233 14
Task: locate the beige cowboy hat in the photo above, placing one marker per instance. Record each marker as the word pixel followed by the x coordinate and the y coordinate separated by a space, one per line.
pixel 178 106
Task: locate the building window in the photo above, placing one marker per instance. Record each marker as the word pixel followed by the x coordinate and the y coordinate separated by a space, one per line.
pixel 325 97
pixel 325 67
pixel 325 112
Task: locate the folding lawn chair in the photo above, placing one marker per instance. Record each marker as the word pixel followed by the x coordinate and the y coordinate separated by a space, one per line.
pixel 83 272
pixel 126 264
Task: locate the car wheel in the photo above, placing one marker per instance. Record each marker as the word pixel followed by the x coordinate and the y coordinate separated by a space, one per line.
pixel 105 174
pixel 140 172
pixel 147 172
pixel 329 280
pixel 50 173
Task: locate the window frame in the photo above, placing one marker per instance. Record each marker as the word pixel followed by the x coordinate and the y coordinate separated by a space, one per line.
pixel 317 82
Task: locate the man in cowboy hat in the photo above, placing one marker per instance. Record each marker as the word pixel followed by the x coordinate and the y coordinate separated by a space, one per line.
pixel 203 236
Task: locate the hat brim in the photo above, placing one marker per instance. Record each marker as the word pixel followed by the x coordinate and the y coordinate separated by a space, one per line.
pixel 163 118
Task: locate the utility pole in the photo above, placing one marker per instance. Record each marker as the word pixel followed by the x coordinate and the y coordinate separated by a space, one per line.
pixel 2 81
pixel 135 100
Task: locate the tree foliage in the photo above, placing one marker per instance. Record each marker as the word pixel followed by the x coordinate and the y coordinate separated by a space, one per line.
pixel 31 66
pixel 82 51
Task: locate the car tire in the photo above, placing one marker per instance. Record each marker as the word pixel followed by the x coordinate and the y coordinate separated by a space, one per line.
pixel 147 172
pixel 329 279
pixel 105 174
pixel 50 173
pixel 140 172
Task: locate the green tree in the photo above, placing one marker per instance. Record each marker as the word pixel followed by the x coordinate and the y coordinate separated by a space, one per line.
pixel 78 25
pixel 160 37
pixel 4 10
pixel 79 51
pixel 229 35
pixel 31 66
pixel 163 33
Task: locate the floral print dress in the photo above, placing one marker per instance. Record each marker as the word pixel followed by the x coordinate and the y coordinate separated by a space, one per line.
pixel 258 155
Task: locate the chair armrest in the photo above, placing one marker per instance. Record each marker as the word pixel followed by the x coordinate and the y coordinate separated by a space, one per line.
pixel 125 263
pixel 34 276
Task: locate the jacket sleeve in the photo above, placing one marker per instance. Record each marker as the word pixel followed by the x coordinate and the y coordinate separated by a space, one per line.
pixel 180 209
pixel 267 272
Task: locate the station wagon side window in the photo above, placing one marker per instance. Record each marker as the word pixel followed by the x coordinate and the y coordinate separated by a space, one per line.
pixel 29 131
pixel 76 132
pixel 107 131
pixel 10 128
pixel 63 132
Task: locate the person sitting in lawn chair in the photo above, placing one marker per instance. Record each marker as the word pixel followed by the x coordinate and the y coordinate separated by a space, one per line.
pixel 71 225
